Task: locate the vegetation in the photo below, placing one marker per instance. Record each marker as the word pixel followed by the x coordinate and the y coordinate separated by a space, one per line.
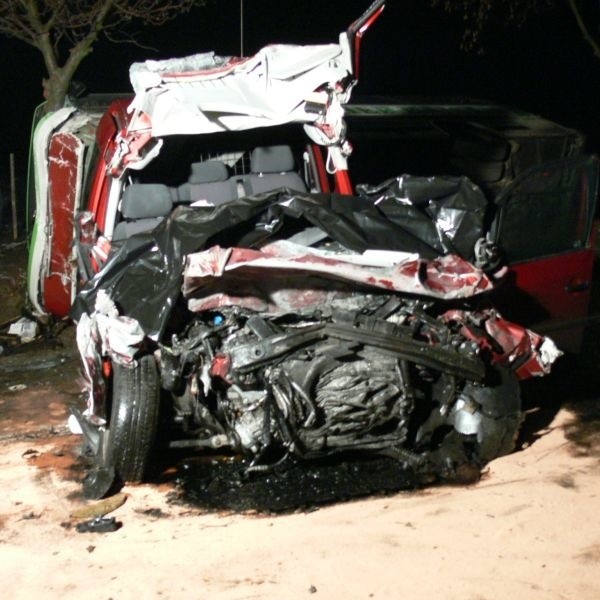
pixel 478 15
pixel 65 31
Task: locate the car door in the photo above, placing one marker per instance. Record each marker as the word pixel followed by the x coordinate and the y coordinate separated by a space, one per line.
pixel 543 229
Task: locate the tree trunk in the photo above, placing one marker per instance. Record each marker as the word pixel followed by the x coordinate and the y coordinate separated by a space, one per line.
pixel 59 78
pixel 55 90
pixel 56 86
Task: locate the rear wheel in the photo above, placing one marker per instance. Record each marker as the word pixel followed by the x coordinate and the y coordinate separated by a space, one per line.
pixel 133 423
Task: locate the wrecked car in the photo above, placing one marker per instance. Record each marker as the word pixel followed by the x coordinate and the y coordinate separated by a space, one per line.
pixel 228 278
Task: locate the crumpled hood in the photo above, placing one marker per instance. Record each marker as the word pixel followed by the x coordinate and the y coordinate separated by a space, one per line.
pixel 144 276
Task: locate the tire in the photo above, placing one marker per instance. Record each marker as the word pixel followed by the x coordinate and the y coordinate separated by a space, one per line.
pixel 133 420
pixel 501 415
pixel 486 434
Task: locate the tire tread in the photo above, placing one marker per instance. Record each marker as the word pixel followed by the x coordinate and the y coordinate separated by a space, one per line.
pixel 134 419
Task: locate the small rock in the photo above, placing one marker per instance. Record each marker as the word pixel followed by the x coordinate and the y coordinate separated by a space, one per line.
pixel 29 516
pixel 19 387
pixel 155 513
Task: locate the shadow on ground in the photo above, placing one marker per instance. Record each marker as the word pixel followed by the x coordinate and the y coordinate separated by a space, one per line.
pixel 574 384
pixel 582 396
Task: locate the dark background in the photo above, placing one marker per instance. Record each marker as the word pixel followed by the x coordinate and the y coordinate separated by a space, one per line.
pixel 413 50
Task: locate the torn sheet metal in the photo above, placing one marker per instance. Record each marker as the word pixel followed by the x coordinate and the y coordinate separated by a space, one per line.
pixel 507 344
pixel 284 276
pixel 65 172
pixel 105 333
pixel 207 93
pixel 526 352
pixel 144 277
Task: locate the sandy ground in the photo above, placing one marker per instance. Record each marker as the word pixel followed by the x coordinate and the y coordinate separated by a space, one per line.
pixel 529 529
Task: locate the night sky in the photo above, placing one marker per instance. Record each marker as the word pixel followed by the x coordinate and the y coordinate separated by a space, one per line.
pixel 412 50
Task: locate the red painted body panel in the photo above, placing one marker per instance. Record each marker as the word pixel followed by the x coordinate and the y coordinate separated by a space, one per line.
pixel 113 120
pixel 551 294
pixel 99 195
pixel 547 281
pixel 63 175
pixel 359 27
pixel 343 185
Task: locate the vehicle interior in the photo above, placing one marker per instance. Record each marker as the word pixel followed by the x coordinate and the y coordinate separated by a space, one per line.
pixel 215 169
pixel 490 144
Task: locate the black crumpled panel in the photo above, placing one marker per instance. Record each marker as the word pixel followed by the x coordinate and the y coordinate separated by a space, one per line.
pixel 144 276
pixel 445 213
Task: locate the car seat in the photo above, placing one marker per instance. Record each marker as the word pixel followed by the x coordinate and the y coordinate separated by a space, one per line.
pixel 143 207
pixel 272 167
pixel 209 181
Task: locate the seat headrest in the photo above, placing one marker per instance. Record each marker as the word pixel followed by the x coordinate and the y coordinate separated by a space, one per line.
pixel 146 200
pixel 271 159
pixel 209 171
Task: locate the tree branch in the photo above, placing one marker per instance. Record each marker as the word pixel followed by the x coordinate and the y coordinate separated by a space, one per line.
pixel 41 36
pixel 587 36
pixel 84 46
pixel 65 31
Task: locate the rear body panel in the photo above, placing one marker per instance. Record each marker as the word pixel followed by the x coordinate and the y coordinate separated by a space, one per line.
pixel 552 294
pixel 544 229
pixel 63 162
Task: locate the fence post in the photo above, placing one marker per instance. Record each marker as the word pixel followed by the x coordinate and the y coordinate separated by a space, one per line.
pixel 13 196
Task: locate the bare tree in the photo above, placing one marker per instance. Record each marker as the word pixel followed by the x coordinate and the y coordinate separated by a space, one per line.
pixel 477 15
pixel 65 31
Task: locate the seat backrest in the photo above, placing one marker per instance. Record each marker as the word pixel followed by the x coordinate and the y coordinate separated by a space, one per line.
pixel 209 181
pixel 125 229
pixel 143 207
pixel 272 167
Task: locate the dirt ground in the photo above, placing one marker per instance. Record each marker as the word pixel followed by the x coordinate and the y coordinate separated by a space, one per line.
pixel 528 529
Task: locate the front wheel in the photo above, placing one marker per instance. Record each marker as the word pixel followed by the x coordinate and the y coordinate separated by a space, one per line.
pixel 131 433
pixel 482 425
pixel 500 414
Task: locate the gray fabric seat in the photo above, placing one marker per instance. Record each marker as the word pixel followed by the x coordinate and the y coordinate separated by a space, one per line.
pixel 208 180
pixel 143 207
pixel 272 167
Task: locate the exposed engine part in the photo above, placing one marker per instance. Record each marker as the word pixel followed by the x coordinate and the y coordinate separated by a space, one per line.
pixel 390 377
pixel 487 256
